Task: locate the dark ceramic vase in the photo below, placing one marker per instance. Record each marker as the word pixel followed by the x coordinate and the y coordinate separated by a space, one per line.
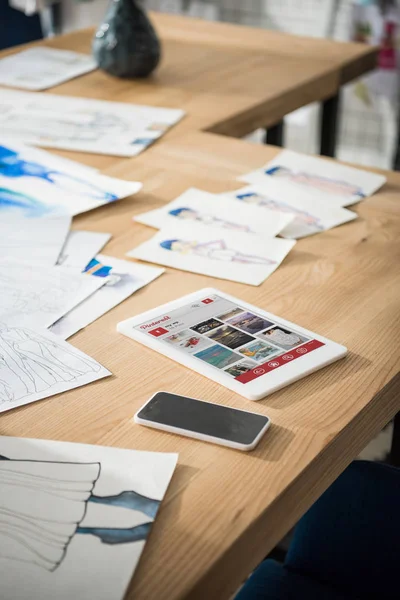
pixel 126 45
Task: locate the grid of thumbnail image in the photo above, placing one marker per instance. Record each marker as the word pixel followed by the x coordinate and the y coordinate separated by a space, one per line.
pixel 236 341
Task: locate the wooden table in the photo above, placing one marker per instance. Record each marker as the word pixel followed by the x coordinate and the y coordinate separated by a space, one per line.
pixel 231 80
pixel 225 510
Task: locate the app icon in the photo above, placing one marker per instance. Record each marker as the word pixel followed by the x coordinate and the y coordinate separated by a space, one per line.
pixel 159 331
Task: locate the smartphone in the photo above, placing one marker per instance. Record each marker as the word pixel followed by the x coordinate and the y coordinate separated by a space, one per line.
pixel 204 421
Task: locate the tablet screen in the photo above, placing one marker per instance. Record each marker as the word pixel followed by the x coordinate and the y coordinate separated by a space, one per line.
pixel 237 341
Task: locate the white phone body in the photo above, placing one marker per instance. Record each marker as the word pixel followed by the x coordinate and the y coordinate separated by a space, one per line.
pixel 258 430
pixel 153 327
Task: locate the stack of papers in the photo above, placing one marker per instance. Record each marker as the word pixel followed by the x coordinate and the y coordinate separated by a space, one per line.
pixel 215 236
pixel 50 276
pixel 232 235
pixel 97 126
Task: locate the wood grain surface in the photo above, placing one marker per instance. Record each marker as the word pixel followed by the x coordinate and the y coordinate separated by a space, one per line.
pixel 224 509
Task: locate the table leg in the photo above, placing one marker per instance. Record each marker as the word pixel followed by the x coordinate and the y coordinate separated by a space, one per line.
pixel 394 457
pixel 396 158
pixel 329 126
pixel 274 134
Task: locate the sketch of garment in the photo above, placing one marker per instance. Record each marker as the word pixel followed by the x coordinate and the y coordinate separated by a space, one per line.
pixel 12 166
pixel 301 215
pixel 216 250
pixel 323 184
pixel 31 363
pixel 190 214
pixel 43 504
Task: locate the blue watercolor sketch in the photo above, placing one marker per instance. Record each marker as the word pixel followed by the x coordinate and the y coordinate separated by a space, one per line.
pixel 15 202
pixel 13 166
pixel 39 535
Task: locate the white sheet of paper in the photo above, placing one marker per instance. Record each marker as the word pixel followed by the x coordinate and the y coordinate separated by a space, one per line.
pixel 36 183
pixel 310 214
pixel 80 247
pixel 38 241
pixel 37 296
pixel 196 206
pixel 242 257
pixel 42 68
pixel 331 181
pixel 125 278
pixel 97 126
pixel 36 364
pixel 65 557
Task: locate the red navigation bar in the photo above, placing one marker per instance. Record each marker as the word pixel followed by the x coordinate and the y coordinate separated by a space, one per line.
pixel 279 361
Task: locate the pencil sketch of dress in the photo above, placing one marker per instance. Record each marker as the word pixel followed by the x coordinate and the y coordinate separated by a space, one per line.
pixel 31 363
pixel 42 506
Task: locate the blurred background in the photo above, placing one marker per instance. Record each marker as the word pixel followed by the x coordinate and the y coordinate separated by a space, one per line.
pixel 368 124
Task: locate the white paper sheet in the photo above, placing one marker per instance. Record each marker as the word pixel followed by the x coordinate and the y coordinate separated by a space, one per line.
pixel 80 247
pixel 35 183
pixel 310 214
pixel 97 126
pixel 35 364
pixel 91 545
pixel 242 257
pixel 38 241
pixel 125 278
pixel 42 68
pixel 196 206
pixel 32 295
pixel 338 184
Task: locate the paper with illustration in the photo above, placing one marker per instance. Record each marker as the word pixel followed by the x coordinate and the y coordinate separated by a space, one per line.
pixel 328 180
pixel 80 247
pixel 35 364
pixel 82 124
pixel 39 241
pixel 310 214
pixel 197 206
pixel 75 517
pixel 35 183
pixel 216 252
pixel 33 295
pixel 42 68
pixel 124 278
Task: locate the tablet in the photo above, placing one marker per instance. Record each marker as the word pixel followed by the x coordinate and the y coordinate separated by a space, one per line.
pixel 246 349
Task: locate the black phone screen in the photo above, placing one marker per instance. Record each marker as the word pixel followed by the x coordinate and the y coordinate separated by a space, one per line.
pixel 203 417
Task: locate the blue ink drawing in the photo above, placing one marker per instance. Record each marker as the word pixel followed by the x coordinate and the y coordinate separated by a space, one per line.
pixel 12 166
pixel 17 202
pixel 68 488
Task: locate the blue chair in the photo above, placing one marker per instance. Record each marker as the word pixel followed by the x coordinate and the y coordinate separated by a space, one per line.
pixel 346 547
pixel 16 28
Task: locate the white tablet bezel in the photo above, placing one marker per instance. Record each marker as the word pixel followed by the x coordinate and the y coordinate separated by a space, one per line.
pixel 253 390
